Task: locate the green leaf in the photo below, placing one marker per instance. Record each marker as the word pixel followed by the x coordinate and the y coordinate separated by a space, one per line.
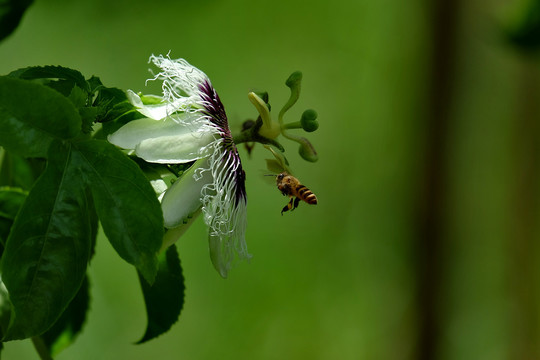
pixel 52 72
pixel 11 200
pixel 126 204
pixel 64 331
pixel 32 115
pixel 78 97
pixel 64 87
pixel 94 223
pixel 165 298
pixel 47 251
pixel 11 12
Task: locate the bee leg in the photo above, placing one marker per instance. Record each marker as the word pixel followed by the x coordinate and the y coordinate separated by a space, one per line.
pixel 287 207
pixel 296 202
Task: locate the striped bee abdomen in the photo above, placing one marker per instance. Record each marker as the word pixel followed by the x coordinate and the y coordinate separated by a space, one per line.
pixel 305 194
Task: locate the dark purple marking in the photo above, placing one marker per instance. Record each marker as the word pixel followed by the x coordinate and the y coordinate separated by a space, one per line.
pixel 215 110
pixel 214 107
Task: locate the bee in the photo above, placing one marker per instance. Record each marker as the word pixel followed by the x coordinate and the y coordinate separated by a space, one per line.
pixel 291 187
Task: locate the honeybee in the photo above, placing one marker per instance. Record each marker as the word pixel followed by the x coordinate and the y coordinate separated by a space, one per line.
pixel 291 187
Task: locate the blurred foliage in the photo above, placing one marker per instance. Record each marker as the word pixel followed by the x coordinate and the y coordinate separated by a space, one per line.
pixel 524 30
pixel 11 12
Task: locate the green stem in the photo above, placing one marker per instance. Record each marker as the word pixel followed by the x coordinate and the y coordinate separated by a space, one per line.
pixel 293 125
pixel 293 82
pixel 41 348
pixel 296 138
pixel 244 136
pixel 252 135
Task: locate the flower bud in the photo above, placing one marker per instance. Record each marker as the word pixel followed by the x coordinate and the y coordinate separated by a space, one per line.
pixel 309 120
pixel 307 151
pixel 294 79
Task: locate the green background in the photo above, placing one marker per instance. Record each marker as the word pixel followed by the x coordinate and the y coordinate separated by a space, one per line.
pixel 338 280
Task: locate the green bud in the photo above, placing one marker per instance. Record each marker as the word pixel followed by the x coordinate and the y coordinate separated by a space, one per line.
pixel 294 79
pixel 270 129
pixel 307 151
pixel 309 120
pixel 265 97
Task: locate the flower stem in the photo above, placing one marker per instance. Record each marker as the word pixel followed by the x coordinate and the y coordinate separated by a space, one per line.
pixel 293 125
pixel 252 135
pixel 294 83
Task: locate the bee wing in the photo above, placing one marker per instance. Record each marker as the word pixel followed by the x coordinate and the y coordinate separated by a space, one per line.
pixel 269 179
pixel 274 166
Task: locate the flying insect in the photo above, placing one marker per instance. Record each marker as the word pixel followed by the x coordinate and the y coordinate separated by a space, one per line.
pixel 293 188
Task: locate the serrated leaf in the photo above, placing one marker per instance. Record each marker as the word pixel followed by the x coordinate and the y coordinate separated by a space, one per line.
pixel 32 115
pixel 88 116
pixel 95 83
pixel 65 330
pixel 64 87
pixel 110 95
pixel 52 72
pixel 165 298
pixel 126 205
pixel 11 12
pixel 47 251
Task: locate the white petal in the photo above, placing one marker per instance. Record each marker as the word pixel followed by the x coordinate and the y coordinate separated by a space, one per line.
pixel 220 258
pixel 224 211
pixel 225 248
pixel 131 134
pixel 183 198
pixel 175 149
